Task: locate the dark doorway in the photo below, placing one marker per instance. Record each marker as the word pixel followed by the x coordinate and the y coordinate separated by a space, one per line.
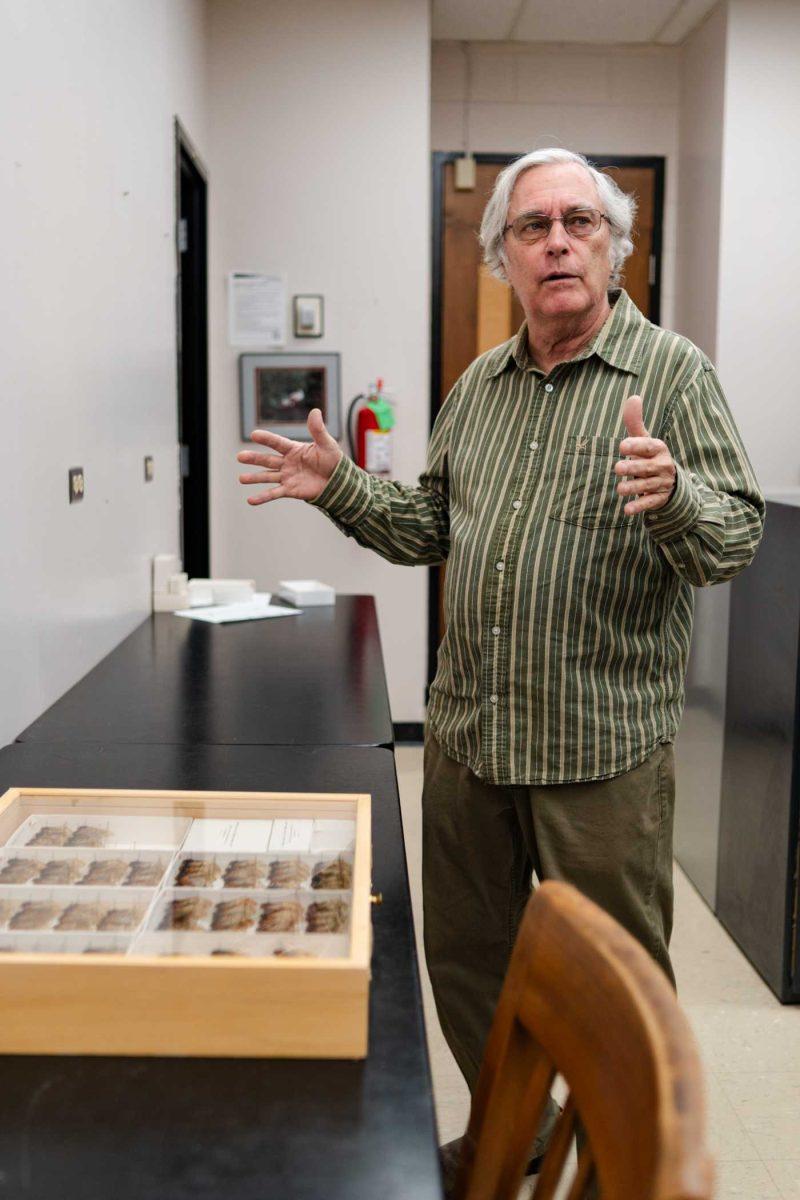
pixel 471 311
pixel 192 302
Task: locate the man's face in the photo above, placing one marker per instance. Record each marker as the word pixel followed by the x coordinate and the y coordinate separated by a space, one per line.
pixel 582 266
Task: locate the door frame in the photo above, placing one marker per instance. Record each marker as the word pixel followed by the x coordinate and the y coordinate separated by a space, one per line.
pixel 439 160
pixel 192 434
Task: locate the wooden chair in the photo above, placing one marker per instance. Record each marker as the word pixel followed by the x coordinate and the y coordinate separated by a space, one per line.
pixel 582 999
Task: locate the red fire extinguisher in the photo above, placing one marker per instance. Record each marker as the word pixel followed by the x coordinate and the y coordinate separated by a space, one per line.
pixel 371 442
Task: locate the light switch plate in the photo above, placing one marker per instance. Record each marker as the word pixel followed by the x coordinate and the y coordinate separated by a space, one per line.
pixel 308 318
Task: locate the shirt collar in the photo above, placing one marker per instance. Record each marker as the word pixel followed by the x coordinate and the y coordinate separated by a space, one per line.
pixel 620 342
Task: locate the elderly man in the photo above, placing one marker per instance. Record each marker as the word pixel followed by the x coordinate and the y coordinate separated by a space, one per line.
pixel 581 478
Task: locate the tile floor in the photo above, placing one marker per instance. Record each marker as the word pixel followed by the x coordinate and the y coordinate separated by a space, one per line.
pixel 750 1043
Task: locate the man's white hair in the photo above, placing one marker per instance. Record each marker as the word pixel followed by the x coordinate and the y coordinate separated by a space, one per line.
pixel 619 207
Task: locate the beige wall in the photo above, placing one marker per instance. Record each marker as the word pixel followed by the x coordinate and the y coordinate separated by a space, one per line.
pixel 88 93
pixel 594 99
pixel 320 168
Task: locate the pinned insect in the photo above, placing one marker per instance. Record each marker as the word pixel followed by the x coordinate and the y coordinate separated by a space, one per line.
pixel 119 918
pixel 61 870
pixel 242 873
pixel 197 872
pixel 280 916
pixel 186 913
pixel 20 870
pixel 51 835
pixel 234 914
pixel 34 914
pixel 144 873
pixel 89 835
pixel 327 916
pixel 80 916
pixel 288 873
pixel 333 875
pixel 105 872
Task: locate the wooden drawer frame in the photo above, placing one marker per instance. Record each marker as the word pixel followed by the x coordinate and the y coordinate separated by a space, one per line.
pixel 203 1007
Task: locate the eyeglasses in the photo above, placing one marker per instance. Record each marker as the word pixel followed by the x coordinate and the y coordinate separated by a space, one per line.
pixel 533 226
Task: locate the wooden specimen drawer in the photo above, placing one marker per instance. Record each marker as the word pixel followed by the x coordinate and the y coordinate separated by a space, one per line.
pixel 212 924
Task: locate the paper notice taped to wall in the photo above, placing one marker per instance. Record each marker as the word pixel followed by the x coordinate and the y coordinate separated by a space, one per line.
pixel 256 309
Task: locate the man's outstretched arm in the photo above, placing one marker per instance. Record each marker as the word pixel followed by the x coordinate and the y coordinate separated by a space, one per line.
pixel 406 525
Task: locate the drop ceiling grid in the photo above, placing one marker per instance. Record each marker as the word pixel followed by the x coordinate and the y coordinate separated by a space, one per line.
pixel 601 22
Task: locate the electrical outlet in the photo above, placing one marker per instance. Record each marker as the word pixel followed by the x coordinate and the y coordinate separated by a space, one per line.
pixel 149 468
pixel 76 484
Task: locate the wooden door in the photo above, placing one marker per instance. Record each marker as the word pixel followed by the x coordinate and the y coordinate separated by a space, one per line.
pixel 473 311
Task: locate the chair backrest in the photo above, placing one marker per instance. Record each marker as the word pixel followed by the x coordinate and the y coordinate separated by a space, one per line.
pixel 583 1000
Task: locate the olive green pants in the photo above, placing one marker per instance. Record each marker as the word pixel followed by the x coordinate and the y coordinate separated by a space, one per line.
pixel 612 839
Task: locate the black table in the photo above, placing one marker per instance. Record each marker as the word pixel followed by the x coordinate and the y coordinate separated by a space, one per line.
pixel 196 1129
pixel 312 679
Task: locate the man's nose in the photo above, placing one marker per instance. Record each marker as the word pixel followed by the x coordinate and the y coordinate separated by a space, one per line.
pixel 557 240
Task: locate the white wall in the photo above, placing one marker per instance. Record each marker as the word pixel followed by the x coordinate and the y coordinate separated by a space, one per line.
pixel 88 92
pixel 700 181
pixel 320 152
pixel 737 298
pixel 699 744
pixel 697 309
pixel 759 296
pixel 594 99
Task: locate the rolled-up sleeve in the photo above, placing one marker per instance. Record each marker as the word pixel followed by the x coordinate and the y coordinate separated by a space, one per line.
pixel 711 526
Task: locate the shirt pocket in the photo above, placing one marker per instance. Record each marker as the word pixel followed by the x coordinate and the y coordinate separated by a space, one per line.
pixel 585 491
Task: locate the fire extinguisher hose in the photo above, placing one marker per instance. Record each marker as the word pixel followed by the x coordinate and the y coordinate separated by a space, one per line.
pixel 350 439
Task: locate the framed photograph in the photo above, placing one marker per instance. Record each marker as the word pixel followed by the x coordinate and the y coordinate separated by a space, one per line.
pixel 278 391
pixel 307 316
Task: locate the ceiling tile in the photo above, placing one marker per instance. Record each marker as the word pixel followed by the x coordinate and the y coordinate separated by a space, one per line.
pixel 587 21
pixel 597 22
pixel 473 20
pixel 684 20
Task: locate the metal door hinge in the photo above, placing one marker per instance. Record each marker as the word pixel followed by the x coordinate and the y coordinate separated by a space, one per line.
pixel 183 452
pixel 183 235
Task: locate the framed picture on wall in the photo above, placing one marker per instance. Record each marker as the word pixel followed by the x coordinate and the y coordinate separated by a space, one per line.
pixel 278 391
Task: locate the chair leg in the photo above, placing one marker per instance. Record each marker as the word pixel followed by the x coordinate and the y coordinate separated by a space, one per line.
pixel 557 1152
pixel 584 1177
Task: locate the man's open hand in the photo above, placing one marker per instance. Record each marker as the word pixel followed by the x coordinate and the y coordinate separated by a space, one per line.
pixel 299 470
pixel 648 465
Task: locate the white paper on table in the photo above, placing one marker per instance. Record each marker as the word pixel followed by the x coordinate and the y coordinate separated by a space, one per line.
pixel 243 610
pixel 218 834
pixel 256 309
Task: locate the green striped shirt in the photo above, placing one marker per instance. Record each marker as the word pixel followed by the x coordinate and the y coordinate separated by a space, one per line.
pixel 568 623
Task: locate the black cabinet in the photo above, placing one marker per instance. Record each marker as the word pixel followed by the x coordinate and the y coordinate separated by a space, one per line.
pixel 758 892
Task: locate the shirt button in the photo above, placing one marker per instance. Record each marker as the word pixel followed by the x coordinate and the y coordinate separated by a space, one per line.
pixel 516 504
pixel 500 565
pixel 548 387
pixel 493 699
pixel 496 630
pixel 534 445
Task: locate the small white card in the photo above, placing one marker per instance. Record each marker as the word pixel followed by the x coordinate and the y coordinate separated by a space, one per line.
pixel 291 835
pixel 219 835
pixel 334 835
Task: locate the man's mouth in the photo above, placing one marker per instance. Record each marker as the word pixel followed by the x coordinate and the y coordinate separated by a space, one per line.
pixel 556 275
